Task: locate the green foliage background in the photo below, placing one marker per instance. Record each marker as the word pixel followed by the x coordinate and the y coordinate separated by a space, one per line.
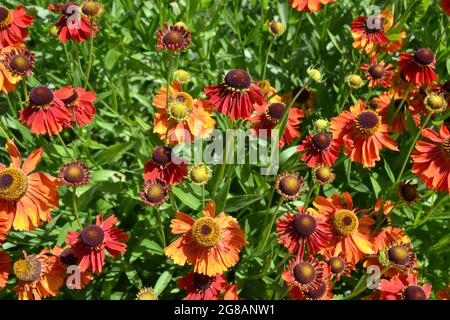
pixel 127 72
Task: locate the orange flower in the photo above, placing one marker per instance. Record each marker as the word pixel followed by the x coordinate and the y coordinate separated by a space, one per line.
pixel 404 287
pixel 5 268
pixel 8 80
pixel 26 197
pixel 362 133
pixel 211 244
pixel 309 5
pixel 378 73
pixel 183 118
pixel 347 227
pixel 39 276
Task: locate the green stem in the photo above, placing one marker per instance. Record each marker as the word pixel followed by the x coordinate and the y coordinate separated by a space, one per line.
pixel 74 207
pixel 266 233
pixel 64 146
pixel 161 227
pixel 266 60
pixel 91 53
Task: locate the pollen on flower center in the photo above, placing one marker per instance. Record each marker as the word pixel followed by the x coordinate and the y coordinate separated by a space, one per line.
pixel 376 71
pixel 28 269
pixel 324 175
pixel 92 236
pixel 180 106
pixel 72 99
pixel 202 282
pixel 304 224
pixel 345 222
pixel 304 273
pixel 367 123
pixel 274 112
pixel 398 255
pixel 290 185
pixel 155 193
pixel 13 184
pixel 199 174
pixel 41 96
pixel 424 56
pixel 414 293
pixel 162 155
pixel 337 265
pixel 321 141
pixel 74 174
pixel 446 146
pixel 174 38
pixel 206 232
pixel 5 17
pixel 238 80
pixel 20 63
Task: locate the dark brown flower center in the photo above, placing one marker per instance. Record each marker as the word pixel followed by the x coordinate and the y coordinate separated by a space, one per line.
pixel 317 293
pixel 304 95
pixel 337 265
pixel 290 185
pixel 72 98
pixel 92 236
pixel 415 293
pixel 202 282
pixel 155 193
pixel 70 8
pixel 376 71
pixel 6 180
pixel 41 96
pixel 321 141
pixel 5 17
pixel 304 224
pixel 408 192
pixel 238 79
pixel 367 123
pixel 162 155
pixel 276 110
pixel 304 273
pixel 398 255
pixel 173 38
pixel 446 86
pixel 424 56
pixel 68 258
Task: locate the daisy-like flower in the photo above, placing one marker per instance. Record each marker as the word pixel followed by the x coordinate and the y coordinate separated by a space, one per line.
pixel 80 102
pixel 202 287
pixel 431 158
pixel 173 39
pixel 39 276
pixel 398 255
pixel 319 148
pixel 90 244
pixel 346 226
pixel 289 185
pixel 20 62
pixel 378 73
pixel 435 102
pixel 13 25
pixel 322 292
pixel 368 31
pixel 337 265
pixel 211 244
pixel 26 197
pixel 404 287
pixel 363 134
pixel 199 174
pixel 146 294
pixel 309 5
pixel 162 166
pixel 445 5
pixel 418 68
pixel 5 268
pixel 304 230
pixel 184 118
pixel 269 115
pixel 323 175
pixel 236 96
pixel 304 274
pixel 45 114
pixel 74 174
pixel 91 9
pixel 407 191
pixel 67 259
pixel 154 192
pixel 73 24
pixel 8 80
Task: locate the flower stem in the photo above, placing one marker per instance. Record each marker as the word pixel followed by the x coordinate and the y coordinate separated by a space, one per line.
pixel 65 147
pixel 266 233
pixel 91 53
pixel 264 68
pixel 161 227
pixel 74 207
pixel 168 83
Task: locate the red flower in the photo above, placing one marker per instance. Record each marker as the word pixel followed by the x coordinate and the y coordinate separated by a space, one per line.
pixel 268 117
pixel 72 24
pixel 445 5
pixel 363 134
pixel 90 244
pixel 13 26
pixel 418 68
pixel 319 148
pixel 5 268
pixel 202 287
pixel 173 39
pixel 163 167
pixel 322 292
pixel 236 96
pixel 80 101
pixel 431 160
pixel 337 264
pixel 367 31
pixel 306 228
pixel 45 113
pixel 304 274
pixel 403 287
pixel 378 73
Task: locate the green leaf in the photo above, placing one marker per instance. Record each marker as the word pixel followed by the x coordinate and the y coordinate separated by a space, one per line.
pixel 187 198
pixel 162 282
pixel 114 152
pixel 389 171
pixel 111 59
pixel 238 202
